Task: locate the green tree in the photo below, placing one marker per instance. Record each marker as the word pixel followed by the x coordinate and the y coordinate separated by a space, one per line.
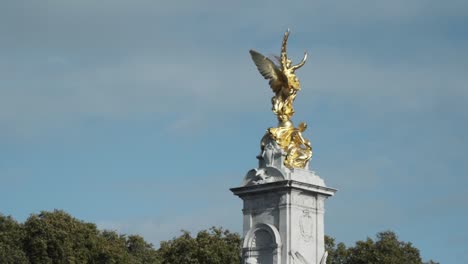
pixel 112 248
pixel 12 237
pixel 56 238
pixel 141 251
pixel 218 246
pixel 213 246
pixel 387 249
pixel 337 254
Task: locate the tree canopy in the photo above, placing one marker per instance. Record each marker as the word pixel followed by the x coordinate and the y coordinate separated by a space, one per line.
pixel 214 246
pixel 12 237
pixel 387 249
pixel 56 238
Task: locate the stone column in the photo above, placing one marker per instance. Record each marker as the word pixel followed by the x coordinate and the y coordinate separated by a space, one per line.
pixel 283 215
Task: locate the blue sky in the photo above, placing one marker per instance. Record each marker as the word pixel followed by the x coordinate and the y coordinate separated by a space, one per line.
pixel 140 115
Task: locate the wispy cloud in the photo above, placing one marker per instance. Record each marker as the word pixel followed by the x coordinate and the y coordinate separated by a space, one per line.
pixel 72 61
pixel 102 90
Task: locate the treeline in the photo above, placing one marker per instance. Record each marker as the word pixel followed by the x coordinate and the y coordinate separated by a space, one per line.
pixel 386 249
pixel 56 238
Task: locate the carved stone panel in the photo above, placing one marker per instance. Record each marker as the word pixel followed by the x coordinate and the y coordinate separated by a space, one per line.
pixel 306 225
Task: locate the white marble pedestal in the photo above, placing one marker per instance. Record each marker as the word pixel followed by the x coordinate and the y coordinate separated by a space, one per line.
pixel 283 216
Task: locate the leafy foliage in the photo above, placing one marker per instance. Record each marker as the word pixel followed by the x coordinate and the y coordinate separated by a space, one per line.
pixel 387 249
pixel 56 238
pixel 214 246
pixel 12 236
pixel 141 251
pixel 337 254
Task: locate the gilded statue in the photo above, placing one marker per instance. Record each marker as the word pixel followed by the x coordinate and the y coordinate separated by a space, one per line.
pixel 285 85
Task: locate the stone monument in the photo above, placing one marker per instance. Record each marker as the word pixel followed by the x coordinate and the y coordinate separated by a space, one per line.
pixel 283 220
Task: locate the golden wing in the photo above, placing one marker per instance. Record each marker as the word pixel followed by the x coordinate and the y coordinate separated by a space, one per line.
pixel 269 71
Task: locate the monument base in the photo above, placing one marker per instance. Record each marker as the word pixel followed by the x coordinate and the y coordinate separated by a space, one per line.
pixel 283 220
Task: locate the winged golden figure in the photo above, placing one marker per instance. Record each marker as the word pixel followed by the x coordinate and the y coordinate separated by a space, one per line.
pixel 284 83
pixel 282 80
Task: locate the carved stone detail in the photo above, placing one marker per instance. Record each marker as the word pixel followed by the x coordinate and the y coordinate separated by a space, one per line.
pixel 306 225
pixel 263 175
pixel 272 155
